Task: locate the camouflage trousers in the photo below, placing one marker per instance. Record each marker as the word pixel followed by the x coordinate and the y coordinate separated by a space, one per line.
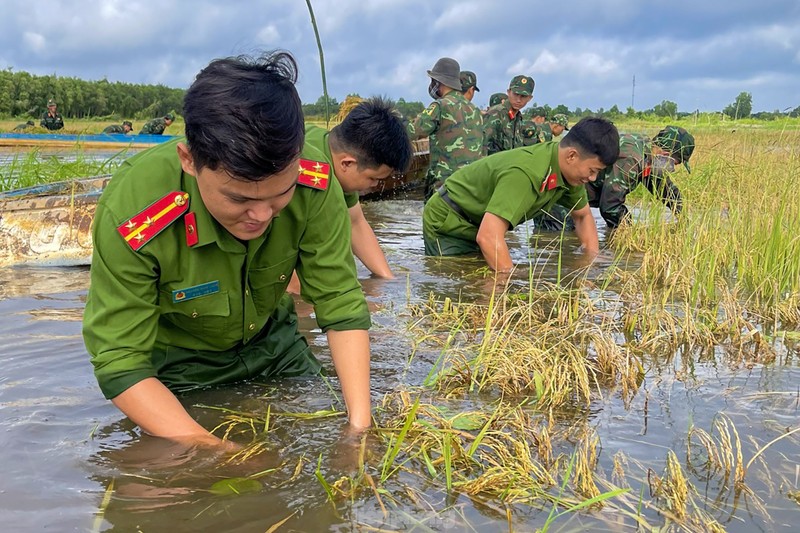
pixel 556 219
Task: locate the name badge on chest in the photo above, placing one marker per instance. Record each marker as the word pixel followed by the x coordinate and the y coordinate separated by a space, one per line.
pixel 190 293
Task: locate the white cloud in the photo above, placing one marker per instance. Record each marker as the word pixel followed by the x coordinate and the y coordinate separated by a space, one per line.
pixel 35 41
pixel 268 35
pixel 576 64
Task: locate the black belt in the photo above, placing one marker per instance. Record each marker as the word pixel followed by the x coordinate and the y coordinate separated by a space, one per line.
pixel 454 206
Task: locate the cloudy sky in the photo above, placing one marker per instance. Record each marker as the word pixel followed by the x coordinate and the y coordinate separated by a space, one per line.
pixel 699 53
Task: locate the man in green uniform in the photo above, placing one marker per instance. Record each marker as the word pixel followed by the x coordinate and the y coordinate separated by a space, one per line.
pixel 191 260
pixel 497 98
pixel 52 119
pixel 453 125
pixel 480 203
pixel 502 125
pixel 533 132
pixel 125 128
pixel 366 147
pixel 24 126
pixel 469 84
pixel 157 125
pixel 642 161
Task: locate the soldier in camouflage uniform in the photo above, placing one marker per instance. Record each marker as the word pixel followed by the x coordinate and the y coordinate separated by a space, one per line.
pixel 126 127
pixel 532 132
pixel 469 84
pixel 502 128
pixel 52 119
pixel 497 98
pixel 642 161
pixel 453 124
pixel 157 125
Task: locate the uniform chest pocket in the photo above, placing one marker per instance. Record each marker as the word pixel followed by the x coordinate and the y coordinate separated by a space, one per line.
pixel 268 284
pixel 204 315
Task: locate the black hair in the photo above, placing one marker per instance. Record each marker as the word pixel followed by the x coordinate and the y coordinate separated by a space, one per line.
pixel 374 134
pixel 244 115
pixel 594 136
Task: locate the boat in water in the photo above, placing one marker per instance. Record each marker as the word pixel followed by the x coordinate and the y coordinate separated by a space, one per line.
pixel 50 224
pixel 68 140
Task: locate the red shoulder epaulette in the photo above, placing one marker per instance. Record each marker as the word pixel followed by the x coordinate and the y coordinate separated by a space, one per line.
pixel 141 228
pixel 314 174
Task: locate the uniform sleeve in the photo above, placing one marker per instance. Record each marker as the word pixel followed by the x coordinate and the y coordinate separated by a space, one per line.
pixel 491 125
pixel 575 198
pixel 661 186
pixel 326 267
pixel 120 322
pixel 426 122
pixel 615 189
pixel 351 199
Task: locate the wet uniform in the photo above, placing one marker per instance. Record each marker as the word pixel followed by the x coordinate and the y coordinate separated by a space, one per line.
pixel 514 185
pixel 195 306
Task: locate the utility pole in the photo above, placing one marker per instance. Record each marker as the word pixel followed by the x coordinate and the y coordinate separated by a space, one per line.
pixel 633 90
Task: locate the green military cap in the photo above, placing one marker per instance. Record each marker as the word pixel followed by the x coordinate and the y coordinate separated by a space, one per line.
pixel 127 123
pixel 678 142
pixel 51 102
pixel 496 98
pixel 561 120
pixel 538 112
pixel 522 85
pixel 169 116
pixel 468 79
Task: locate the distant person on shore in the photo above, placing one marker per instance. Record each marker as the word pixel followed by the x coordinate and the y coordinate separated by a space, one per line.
pixel 469 84
pixel 157 125
pixel 482 201
pixel 24 126
pixel 52 119
pixel 452 123
pixel 366 147
pixel 194 244
pixel 502 125
pixel 124 129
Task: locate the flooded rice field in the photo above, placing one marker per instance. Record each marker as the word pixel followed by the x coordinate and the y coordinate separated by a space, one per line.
pixel 675 434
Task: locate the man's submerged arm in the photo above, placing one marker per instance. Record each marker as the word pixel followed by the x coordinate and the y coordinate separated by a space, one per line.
pixel 365 244
pixel 586 229
pixel 350 354
pixel 491 240
pixel 154 408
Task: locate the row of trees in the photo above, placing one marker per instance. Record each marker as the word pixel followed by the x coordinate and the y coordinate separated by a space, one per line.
pixel 23 95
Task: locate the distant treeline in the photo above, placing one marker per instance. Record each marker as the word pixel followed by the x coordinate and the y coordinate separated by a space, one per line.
pixel 25 95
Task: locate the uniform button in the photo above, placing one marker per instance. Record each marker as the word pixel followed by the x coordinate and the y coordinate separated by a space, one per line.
pixel 252 327
pixel 283 277
pixel 247 292
pixel 194 314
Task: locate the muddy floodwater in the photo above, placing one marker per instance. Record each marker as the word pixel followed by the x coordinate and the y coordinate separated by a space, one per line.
pixel 72 462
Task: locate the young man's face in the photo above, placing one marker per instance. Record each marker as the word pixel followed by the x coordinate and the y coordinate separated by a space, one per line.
pixel 244 208
pixel 580 171
pixel 353 179
pixel 517 100
pixel 51 109
pixel 557 129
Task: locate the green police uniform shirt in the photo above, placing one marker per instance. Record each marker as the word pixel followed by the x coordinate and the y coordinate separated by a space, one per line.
pixel 512 185
pixel 228 288
pixel 317 138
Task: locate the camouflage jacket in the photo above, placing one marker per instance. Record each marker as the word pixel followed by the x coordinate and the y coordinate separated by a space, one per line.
pixel 533 133
pixel 52 122
pixel 501 131
pixel 154 127
pixel 634 166
pixel 455 128
pixel 114 128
